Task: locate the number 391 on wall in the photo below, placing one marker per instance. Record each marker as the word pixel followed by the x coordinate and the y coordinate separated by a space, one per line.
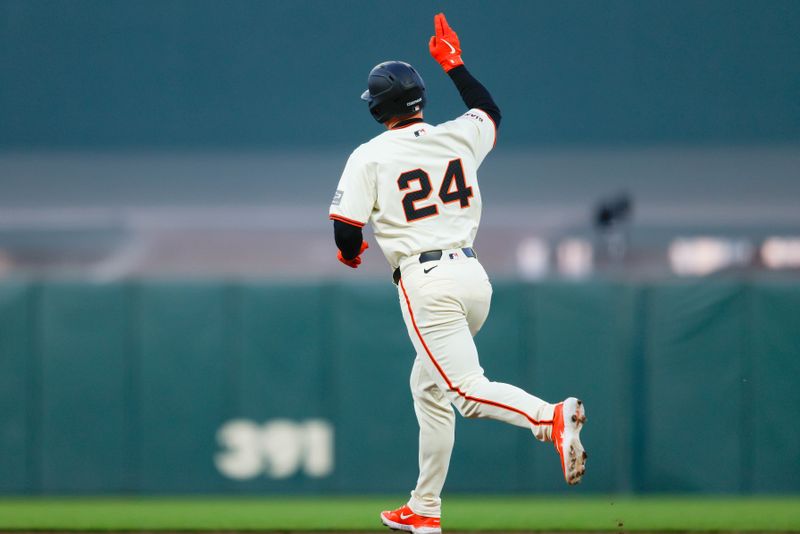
pixel 277 449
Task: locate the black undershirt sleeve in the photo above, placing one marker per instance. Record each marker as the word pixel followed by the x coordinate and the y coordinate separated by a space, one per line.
pixel 474 93
pixel 348 238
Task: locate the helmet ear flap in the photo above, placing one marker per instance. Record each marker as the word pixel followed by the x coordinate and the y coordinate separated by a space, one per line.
pixel 375 110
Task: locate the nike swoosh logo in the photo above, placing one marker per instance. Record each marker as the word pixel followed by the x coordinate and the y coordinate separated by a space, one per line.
pixel 452 49
pixel 426 271
pixel 403 516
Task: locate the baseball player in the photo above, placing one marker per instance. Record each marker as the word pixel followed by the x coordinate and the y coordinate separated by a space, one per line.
pixel 417 184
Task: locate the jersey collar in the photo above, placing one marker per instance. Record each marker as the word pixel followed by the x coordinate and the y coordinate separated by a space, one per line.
pixel 407 122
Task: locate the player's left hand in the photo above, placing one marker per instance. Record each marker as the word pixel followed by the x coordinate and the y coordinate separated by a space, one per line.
pixel 354 262
pixel 444 46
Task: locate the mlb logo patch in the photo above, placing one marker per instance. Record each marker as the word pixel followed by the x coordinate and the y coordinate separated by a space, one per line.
pixel 454 255
pixel 420 132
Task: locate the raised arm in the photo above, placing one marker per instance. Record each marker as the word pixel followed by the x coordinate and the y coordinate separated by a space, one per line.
pixel 446 50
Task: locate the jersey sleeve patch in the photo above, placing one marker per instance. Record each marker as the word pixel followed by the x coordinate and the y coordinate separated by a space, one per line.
pixel 472 114
pixel 480 131
pixel 356 192
pixel 483 118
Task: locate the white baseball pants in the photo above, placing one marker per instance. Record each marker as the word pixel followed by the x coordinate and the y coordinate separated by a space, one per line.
pixel 443 308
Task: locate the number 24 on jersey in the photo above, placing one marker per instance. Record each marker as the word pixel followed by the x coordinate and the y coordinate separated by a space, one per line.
pixel 454 189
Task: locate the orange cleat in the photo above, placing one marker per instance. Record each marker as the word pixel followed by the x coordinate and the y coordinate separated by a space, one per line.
pixel 568 419
pixel 404 518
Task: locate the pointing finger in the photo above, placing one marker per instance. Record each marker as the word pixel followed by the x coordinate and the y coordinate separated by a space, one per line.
pixel 445 26
pixel 437 24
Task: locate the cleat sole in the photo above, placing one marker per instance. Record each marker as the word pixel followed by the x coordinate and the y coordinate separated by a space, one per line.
pixel 575 455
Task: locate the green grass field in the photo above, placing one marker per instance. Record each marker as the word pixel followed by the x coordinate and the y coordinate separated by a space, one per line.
pixel 512 513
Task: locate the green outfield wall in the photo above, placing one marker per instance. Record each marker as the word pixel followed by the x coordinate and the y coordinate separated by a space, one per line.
pixel 240 386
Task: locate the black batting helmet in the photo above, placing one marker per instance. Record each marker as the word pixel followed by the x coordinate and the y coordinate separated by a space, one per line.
pixel 394 89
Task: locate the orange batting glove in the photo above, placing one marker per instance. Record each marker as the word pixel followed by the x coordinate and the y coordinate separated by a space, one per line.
pixel 354 262
pixel 444 46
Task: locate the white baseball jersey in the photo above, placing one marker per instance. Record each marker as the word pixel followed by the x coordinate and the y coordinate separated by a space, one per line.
pixel 417 185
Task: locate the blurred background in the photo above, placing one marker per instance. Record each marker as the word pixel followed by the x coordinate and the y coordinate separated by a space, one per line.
pixel 173 318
